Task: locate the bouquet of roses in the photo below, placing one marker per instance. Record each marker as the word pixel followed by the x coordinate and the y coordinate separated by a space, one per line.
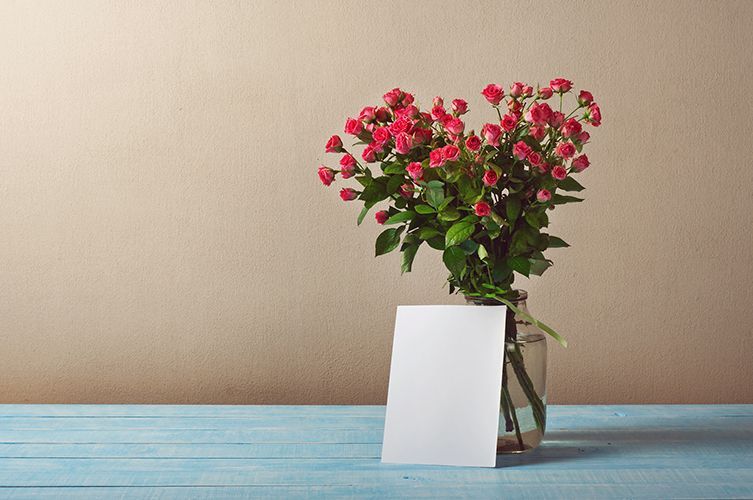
pixel 481 198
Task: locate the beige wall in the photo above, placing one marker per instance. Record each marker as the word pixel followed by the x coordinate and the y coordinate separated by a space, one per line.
pixel 164 238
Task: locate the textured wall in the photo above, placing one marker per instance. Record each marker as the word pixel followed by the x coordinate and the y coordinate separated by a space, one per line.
pixel 164 238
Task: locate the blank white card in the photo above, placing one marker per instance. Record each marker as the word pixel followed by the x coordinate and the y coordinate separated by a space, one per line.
pixel 445 383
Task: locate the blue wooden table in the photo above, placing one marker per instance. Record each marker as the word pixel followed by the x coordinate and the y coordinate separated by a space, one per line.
pixel 52 451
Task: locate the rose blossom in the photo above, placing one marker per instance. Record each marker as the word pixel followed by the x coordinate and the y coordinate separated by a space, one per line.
pixel 527 91
pixel 450 152
pixel 438 101
pixel 491 133
pixel 347 171
pixel 422 136
pixel 348 194
pixel 326 175
pixel 353 126
pixel 535 159
pixel 347 161
pixel 459 106
pixel 538 114
pixel 593 115
pixel 543 195
pixel 382 114
pixel 334 144
pixel 473 142
pixel 515 107
pixel 381 135
pixel 407 99
pixel 382 216
pixel 392 97
pixel 521 150
pixel 482 209
pixel 580 163
pixel 493 93
pixel 557 119
pixel 402 124
pixel 436 159
pixel 583 137
pixel 455 126
pixel 369 154
pixel 403 143
pixel 516 89
pixel 545 93
pixel 490 177
pixel 415 170
pixel 367 114
pixel 406 191
pixel 408 111
pixel 559 172
pixel 538 132
pixel 561 85
pixel 565 150
pixel 585 98
pixel 544 168
pixel 509 122
pixel 571 127
pixel 438 112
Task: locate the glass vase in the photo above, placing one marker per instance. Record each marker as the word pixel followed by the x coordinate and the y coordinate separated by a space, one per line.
pixel 522 419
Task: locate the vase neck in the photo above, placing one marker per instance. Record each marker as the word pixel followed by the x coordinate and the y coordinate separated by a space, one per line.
pixel 519 300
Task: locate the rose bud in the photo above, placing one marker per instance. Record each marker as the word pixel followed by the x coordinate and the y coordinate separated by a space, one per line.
pixel 392 98
pixel 571 128
pixel 353 126
pixel 585 98
pixel 348 171
pixel 565 150
pixel 491 133
pixel 367 114
pixel 435 158
pixel 403 143
pixel 438 112
pixel 381 216
pixel 516 89
pixel 369 155
pixel 521 150
pixel 490 177
pixel 450 152
pixel 493 93
pixel 455 126
pixel 593 115
pixel 556 119
pixel 348 194
pixel 583 137
pixel 473 142
pixel 438 101
pixel 482 209
pixel 422 136
pixel 509 122
pixel 334 145
pixel 459 106
pixel 382 114
pixel 559 172
pixel 415 170
pixel 535 159
pixel 543 195
pixel 326 175
pixel 545 93
pixel 527 91
pixel 538 132
pixel 580 163
pixel 406 191
pixel 561 85
pixel 381 135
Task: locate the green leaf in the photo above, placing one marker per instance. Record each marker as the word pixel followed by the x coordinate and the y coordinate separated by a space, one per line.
pixel 401 217
pixel 536 220
pixel 454 259
pixel 376 191
pixel 388 240
pixel 409 253
pixel 437 243
pixel 482 253
pixel 512 208
pixel 394 183
pixel 533 321
pixel 435 193
pixel 520 264
pixel 538 266
pixel 449 214
pixel 570 184
pixel 426 233
pixel 458 233
pixel 394 168
pixel 555 242
pixel 559 199
pixel 468 192
pixel 366 207
pixel 445 203
pixel 469 247
pixel 424 209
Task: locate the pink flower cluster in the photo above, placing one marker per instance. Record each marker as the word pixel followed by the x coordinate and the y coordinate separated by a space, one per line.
pixel 529 131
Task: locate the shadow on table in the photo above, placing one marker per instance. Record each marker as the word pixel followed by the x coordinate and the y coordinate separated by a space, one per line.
pixel 562 445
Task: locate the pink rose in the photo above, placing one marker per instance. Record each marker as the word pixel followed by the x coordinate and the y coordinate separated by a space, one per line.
pixel 557 119
pixel 422 136
pixel 326 175
pixel 515 107
pixel 381 216
pixel 585 98
pixel 402 124
pixel 436 159
pixel 403 143
pixel 455 126
pixel 491 133
pixel 438 112
pixel 538 132
pixel 521 150
pixel 561 85
pixel 535 159
pixel 593 115
pixel 369 154
pixel 493 93
pixel 580 163
pixel 415 170
pixel 347 161
pixel 406 191
pixel 509 122
pixel 353 126
pixel 408 111
pixel 473 143
pixel 543 195
pixel 392 98
pixel 382 114
pixel 559 172
pixel 407 99
pixel 545 93
pixel 571 127
pixel 367 114
pixel 583 137
pixel 544 168
pixel 348 194
pixel 490 177
pixel 538 114
pixel 438 101
pixel 381 135
pixel 527 91
pixel 348 171
pixel 334 144
pixel 450 152
pixel 516 89
pixel 459 106
pixel 565 150
pixel 482 209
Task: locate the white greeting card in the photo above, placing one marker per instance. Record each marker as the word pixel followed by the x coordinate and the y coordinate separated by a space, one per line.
pixel 445 383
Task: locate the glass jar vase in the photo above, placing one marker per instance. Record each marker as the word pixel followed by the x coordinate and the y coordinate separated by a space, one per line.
pixel 522 419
